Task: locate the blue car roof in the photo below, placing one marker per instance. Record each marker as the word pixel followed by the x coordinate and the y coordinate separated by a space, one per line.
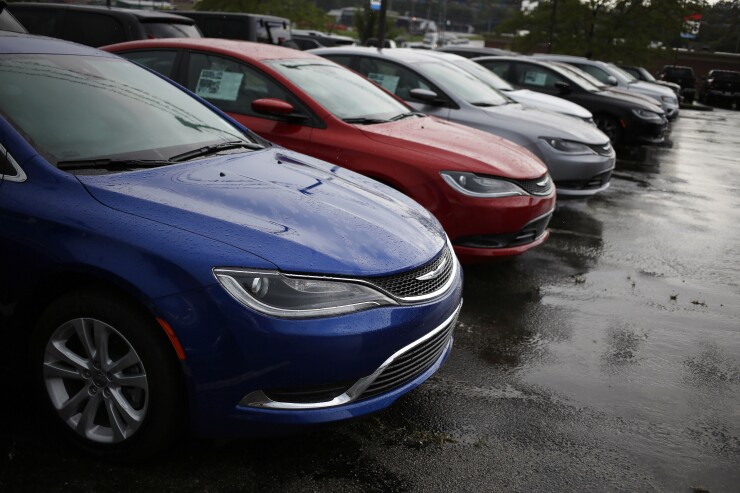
pixel 28 43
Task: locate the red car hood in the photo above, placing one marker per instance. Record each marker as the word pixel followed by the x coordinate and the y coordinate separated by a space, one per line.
pixel 457 147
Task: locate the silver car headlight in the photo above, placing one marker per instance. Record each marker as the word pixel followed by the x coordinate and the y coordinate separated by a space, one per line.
pixel 294 296
pixel 668 99
pixel 568 146
pixel 480 186
pixel 647 115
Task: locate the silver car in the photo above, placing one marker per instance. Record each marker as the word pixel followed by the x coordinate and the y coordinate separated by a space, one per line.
pixel 578 155
pixel 522 96
pixel 610 74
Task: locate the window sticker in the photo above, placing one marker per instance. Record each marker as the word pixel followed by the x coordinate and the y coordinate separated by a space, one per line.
pixel 535 78
pixel 387 82
pixel 217 84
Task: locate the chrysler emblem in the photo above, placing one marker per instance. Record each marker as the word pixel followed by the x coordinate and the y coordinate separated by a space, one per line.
pixel 434 273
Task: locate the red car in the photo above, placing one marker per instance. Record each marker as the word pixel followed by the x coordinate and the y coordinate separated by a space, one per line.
pixel 493 197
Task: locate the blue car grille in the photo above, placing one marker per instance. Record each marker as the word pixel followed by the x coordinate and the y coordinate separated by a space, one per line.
pixel 409 365
pixel 407 284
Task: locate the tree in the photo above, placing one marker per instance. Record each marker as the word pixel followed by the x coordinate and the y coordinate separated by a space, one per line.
pixel 720 27
pixel 302 13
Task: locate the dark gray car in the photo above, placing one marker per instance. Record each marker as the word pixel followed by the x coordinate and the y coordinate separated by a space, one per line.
pixel 579 156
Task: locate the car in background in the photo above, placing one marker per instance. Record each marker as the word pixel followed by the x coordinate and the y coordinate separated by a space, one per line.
pixel 97 26
pixel 523 96
pixel 720 86
pixel 164 268
pixel 492 197
pixel 307 39
pixel 624 118
pixel 641 73
pixel 610 74
pixel 259 28
pixel 8 22
pixel 683 76
pixel 578 155
pixel 475 51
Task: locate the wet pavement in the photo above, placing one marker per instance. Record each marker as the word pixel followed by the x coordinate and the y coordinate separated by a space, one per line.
pixel 606 360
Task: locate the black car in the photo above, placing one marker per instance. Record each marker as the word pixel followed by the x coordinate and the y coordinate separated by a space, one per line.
pixel 259 28
pixel 8 22
pixel 99 26
pixel 473 51
pixel 684 77
pixel 720 86
pixel 624 118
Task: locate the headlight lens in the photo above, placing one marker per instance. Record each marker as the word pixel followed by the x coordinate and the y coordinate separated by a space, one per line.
pixel 568 146
pixel 288 296
pixel 668 99
pixel 647 115
pixel 480 186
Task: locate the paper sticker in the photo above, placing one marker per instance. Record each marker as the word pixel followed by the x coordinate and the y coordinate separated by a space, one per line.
pixel 535 78
pixel 217 84
pixel 387 82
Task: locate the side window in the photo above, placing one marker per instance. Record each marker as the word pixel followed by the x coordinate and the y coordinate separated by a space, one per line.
pixel 392 77
pixel 224 28
pixel 601 75
pixel 44 22
pixel 343 60
pixel 159 61
pixel 536 77
pixel 92 29
pixel 500 68
pixel 230 85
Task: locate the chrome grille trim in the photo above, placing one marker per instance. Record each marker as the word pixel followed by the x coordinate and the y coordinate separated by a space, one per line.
pixel 448 277
pixel 357 391
pixel 533 187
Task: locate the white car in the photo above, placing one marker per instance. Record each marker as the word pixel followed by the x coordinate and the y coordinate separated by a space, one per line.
pixel 524 97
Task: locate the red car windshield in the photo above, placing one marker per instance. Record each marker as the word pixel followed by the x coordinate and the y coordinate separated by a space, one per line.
pixel 342 92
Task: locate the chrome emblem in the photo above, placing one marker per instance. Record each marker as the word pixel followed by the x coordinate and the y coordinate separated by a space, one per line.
pixel 436 272
pixel 543 182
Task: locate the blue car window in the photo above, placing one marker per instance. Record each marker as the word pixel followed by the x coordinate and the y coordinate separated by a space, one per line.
pixel 93 107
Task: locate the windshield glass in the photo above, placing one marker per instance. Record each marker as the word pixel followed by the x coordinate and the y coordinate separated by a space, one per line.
pixel 582 79
pixel 171 30
pixel 482 73
pixel 91 107
pixel 343 93
pixel 466 86
pixel 647 75
pixel 621 75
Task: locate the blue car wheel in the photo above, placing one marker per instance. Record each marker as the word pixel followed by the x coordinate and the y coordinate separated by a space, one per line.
pixel 108 376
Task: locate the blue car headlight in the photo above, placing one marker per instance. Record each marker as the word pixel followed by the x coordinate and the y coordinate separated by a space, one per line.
pixel 568 146
pixel 293 296
pixel 480 186
pixel 647 115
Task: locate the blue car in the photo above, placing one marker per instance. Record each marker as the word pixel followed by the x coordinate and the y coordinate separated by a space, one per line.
pixel 167 269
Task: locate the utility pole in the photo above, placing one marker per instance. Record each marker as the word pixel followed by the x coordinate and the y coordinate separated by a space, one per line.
pixel 552 25
pixel 381 27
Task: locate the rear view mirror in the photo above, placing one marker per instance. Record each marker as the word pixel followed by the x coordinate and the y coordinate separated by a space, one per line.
pixel 612 80
pixel 425 95
pixel 563 88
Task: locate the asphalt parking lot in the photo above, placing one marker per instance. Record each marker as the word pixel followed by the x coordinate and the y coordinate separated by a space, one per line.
pixel 607 359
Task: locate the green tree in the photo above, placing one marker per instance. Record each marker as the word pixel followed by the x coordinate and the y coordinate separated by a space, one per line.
pixel 302 13
pixel 720 27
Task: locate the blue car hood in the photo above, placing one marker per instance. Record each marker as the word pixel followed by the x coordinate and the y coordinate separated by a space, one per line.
pixel 299 213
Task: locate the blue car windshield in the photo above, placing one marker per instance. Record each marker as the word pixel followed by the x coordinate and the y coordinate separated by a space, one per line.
pixel 73 108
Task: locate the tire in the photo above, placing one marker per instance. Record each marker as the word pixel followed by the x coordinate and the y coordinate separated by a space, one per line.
pixel 108 376
pixel 611 127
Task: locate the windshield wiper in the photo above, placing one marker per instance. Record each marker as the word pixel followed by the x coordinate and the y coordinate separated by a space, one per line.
pixel 406 115
pixel 364 121
pixel 110 164
pixel 215 148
